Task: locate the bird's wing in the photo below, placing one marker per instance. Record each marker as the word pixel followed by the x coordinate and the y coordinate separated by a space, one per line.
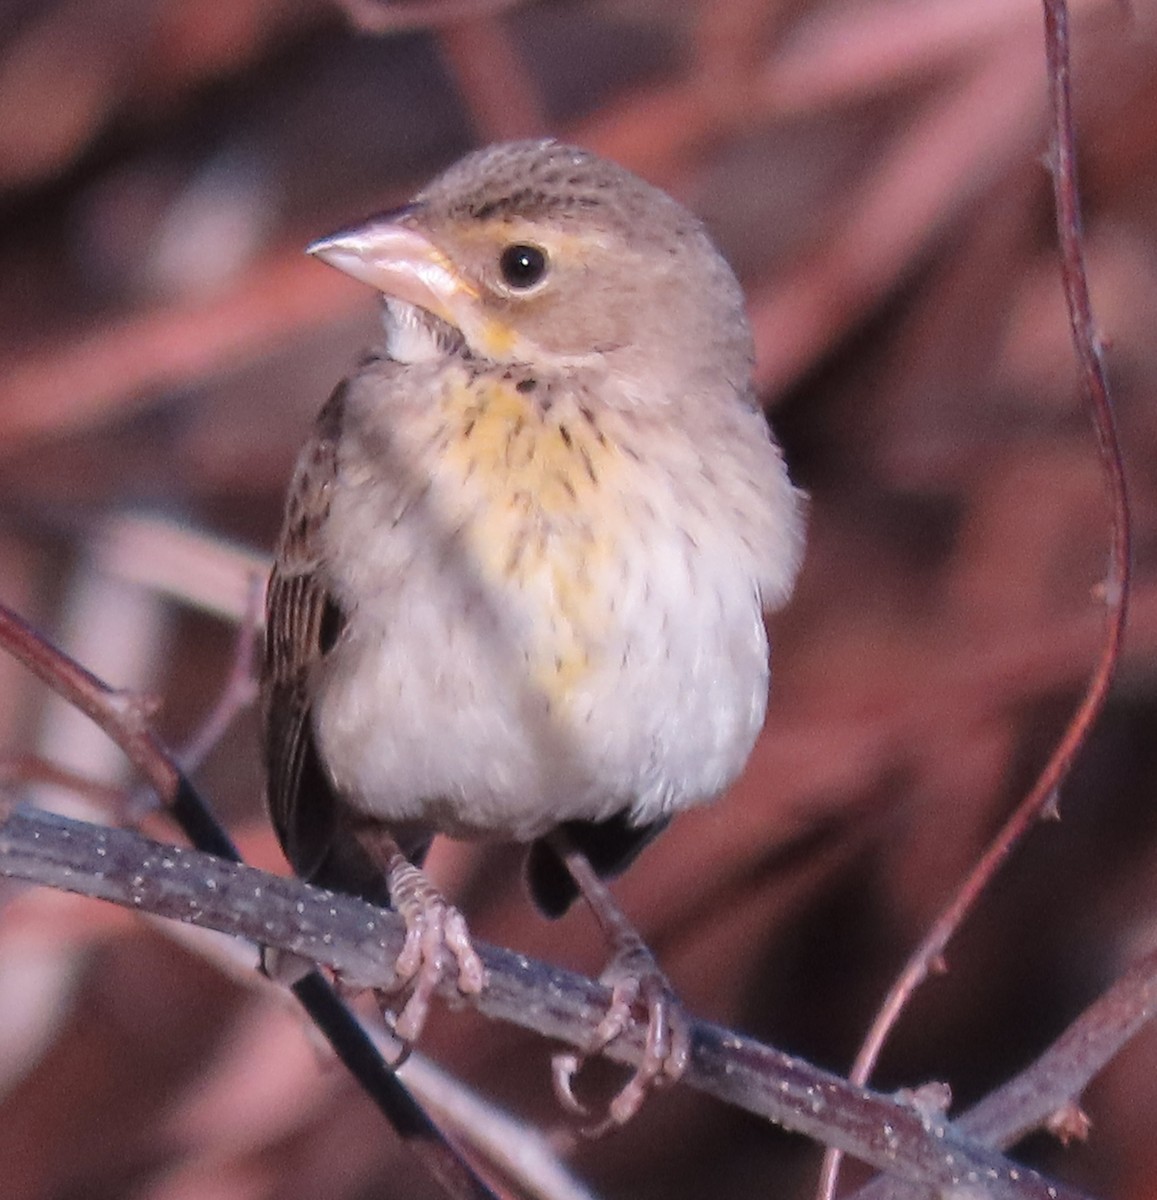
pixel 302 624
pixel 610 847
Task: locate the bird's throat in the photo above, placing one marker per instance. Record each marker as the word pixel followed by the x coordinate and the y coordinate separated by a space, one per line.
pixel 414 335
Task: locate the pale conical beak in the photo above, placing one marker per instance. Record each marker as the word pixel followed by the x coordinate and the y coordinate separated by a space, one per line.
pixel 398 261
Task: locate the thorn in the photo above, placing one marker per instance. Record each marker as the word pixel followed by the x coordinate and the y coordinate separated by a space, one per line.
pixel 136 709
pixel 1107 592
pixel 1070 1123
pixel 1051 810
pixel 929 1099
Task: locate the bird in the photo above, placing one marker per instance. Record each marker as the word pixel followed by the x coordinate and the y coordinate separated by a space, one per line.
pixel 527 555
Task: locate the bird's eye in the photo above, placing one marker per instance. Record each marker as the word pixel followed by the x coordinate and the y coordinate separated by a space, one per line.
pixel 522 265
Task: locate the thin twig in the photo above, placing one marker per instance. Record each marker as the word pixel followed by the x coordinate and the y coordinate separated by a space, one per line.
pixel 19 770
pixel 239 692
pixel 1054 1082
pixel 125 718
pixel 361 943
pixel 1043 795
pixel 240 688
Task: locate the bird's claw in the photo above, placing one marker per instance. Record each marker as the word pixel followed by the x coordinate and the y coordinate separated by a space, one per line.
pixel 564 1066
pixel 436 938
pixel 635 979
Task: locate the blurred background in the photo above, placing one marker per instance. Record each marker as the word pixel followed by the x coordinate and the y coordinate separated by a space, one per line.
pixel 874 171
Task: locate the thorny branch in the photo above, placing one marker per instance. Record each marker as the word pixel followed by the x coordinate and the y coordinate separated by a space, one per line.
pixel 1046 1089
pixel 1042 798
pixel 125 718
pixel 360 944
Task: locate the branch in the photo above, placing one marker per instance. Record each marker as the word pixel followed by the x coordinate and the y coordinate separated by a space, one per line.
pixel 125 718
pixel 1043 796
pixel 361 943
pixel 240 688
pixel 1051 1087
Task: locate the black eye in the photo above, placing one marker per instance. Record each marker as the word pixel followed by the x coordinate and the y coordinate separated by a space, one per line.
pixel 522 265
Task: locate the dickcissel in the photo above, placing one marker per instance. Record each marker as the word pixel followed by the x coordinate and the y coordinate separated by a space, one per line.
pixel 528 549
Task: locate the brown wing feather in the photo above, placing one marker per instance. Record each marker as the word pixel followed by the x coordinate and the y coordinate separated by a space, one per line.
pixel 302 623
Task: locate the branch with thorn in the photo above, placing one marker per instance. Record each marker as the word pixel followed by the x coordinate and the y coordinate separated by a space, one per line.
pixel 1041 801
pixel 904 1136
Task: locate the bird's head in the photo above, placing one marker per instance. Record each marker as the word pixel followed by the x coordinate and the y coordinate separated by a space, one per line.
pixel 546 255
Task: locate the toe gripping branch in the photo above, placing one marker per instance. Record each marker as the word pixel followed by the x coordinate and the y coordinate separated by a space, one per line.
pixel 635 981
pixel 436 937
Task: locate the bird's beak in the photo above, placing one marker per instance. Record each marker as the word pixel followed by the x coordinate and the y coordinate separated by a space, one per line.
pixel 398 261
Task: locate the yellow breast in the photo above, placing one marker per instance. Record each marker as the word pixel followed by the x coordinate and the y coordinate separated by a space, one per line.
pixel 538 483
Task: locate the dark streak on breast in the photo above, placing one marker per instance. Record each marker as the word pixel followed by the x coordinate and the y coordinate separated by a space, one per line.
pixel 589 417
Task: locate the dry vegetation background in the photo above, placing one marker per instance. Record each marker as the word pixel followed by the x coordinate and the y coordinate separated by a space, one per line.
pixel 873 170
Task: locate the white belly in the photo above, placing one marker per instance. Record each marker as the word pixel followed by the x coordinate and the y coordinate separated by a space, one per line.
pixel 433 714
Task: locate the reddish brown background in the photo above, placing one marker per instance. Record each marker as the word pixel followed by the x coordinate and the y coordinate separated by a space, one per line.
pixel 874 171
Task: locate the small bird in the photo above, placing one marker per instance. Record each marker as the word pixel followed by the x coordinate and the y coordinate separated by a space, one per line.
pixel 520 589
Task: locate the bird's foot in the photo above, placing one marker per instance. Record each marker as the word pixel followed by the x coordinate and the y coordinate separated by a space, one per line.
pixel 635 981
pixel 437 940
